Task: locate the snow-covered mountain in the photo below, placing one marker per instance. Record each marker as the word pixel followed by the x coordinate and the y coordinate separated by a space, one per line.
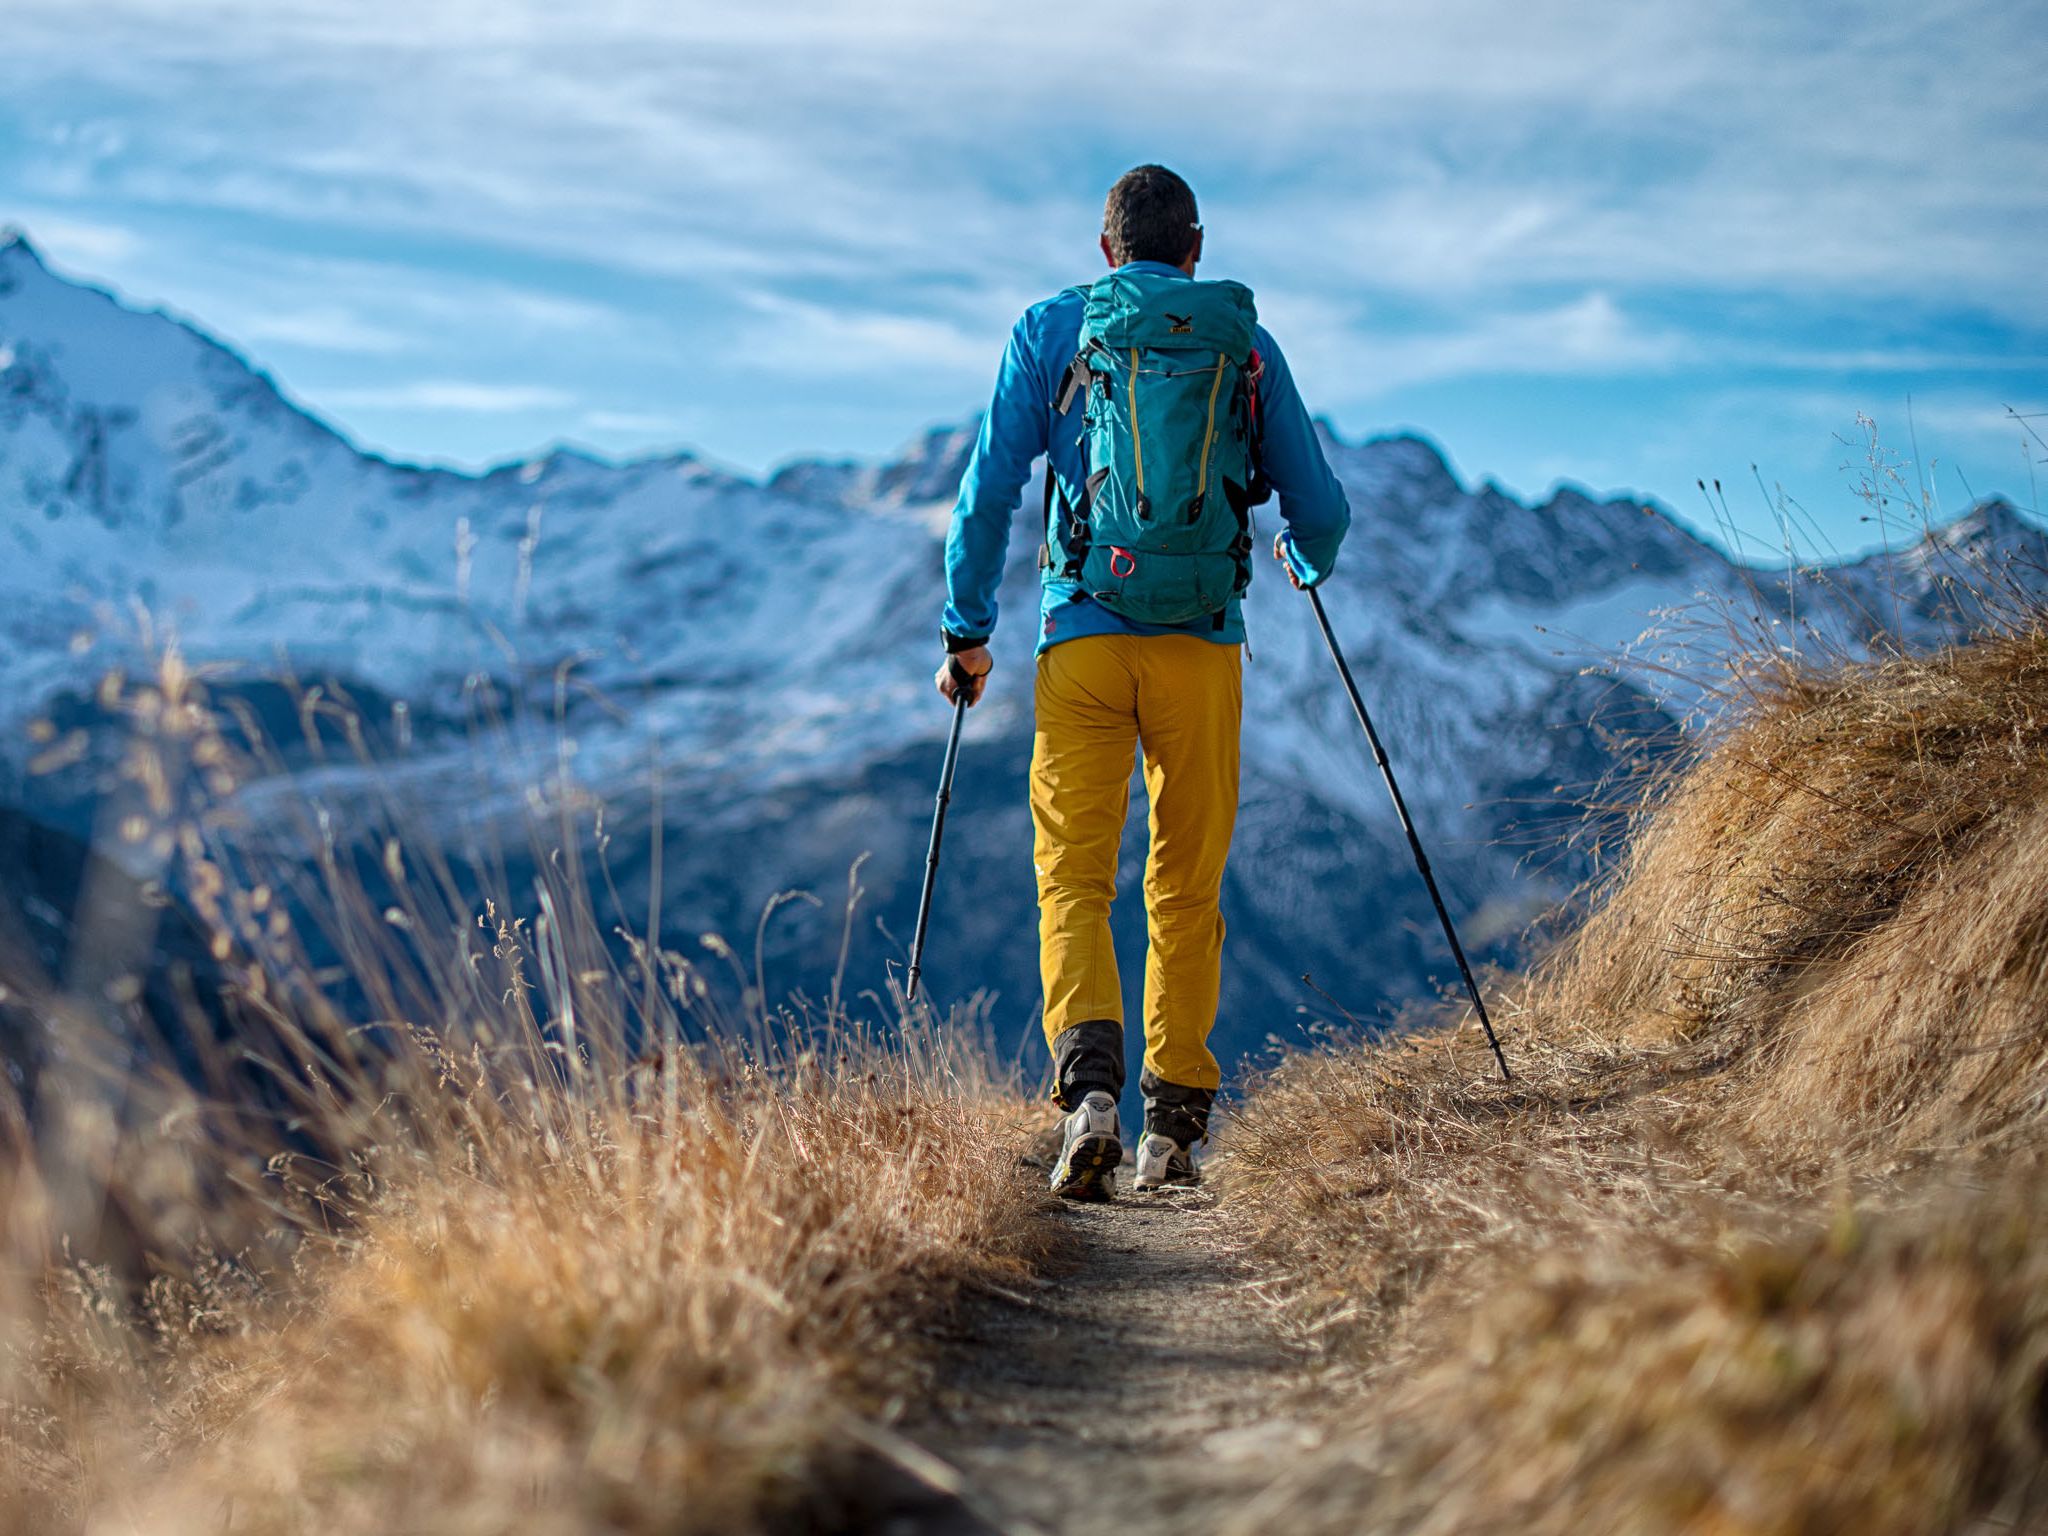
pixel 769 645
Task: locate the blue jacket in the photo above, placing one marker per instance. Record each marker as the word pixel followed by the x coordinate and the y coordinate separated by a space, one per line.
pixel 1019 427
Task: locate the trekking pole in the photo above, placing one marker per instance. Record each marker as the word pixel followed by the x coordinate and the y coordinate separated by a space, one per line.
pixel 961 682
pixel 1379 754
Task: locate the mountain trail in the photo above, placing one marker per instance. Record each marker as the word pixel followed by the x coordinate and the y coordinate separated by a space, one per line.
pixel 1144 1388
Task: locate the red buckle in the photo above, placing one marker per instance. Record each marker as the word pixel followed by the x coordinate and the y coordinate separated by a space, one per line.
pixel 1130 562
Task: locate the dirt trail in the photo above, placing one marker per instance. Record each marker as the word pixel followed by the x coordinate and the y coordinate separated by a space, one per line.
pixel 1144 1390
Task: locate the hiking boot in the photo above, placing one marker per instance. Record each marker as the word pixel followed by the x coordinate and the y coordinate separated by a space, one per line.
pixel 1091 1145
pixel 1165 1163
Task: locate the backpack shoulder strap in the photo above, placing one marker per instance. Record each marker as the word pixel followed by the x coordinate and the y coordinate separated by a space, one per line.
pixel 1261 488
pixel 1076 375
pixel 1075 380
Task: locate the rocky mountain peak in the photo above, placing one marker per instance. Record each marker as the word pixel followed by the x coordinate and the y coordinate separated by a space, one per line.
pixel 1991 521
pixel 924 472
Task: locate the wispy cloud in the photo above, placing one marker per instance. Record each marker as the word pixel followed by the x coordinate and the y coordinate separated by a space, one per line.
pixel 1731 144
pixel 810 224
pixel 2000 422
pixel 632 422
pixel 809 337
pixel 458 395
pixel 1895 359
pixel 79 244
pixel 1587 336
pixel 327 329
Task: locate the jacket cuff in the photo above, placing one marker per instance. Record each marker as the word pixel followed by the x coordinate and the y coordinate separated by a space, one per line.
pixel 1310 573
pixel 958 643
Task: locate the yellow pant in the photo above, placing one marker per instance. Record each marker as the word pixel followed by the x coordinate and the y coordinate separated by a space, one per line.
pixel 1099 697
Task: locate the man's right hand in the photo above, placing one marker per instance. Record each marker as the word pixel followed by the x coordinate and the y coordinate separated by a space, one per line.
pixel 974 666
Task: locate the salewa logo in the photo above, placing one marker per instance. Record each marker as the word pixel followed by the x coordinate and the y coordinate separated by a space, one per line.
pixel 1183 325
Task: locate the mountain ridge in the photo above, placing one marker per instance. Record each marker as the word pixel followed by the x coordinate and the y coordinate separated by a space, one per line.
pixel 769 641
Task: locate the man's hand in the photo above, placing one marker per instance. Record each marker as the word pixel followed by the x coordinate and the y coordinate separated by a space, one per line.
pixel 972 665
pixel 1280 542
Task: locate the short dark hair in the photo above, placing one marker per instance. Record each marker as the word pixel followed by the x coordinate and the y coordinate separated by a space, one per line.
pixel 1150 216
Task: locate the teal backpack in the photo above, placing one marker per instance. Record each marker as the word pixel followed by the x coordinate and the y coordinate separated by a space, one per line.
pixel 1160 530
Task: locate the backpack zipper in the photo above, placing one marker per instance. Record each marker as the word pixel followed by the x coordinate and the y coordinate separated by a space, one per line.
pixel 1209 437
pixel 1137 444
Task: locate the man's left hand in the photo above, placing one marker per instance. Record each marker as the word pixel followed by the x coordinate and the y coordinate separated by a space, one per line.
pixel 1280 552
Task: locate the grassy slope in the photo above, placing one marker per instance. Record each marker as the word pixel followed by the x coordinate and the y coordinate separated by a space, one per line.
pixel 1757 1241
pixel 667 1326
pixel 504 1275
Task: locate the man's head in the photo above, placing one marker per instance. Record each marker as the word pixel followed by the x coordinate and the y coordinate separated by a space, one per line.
pixel 1150 216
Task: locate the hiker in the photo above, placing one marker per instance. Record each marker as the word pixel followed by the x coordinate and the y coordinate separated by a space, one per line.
pixel 1166 413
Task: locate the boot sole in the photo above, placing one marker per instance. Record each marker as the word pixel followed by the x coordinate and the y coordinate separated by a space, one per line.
pixel 1085 1173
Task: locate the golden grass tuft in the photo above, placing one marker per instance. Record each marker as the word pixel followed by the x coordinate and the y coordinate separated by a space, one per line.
pixel 1878 1376
pixel 528 1237
pixel 1857 869
pixel 671 1324
pixel 1753 1243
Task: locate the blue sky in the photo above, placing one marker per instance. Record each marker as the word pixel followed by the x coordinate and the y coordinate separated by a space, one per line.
pixel 1627 245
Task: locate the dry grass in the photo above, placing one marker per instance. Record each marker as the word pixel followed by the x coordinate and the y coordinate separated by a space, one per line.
pixel 529 1246
pixel 667 1325
pixel 1755 1243
pixel 1877 1376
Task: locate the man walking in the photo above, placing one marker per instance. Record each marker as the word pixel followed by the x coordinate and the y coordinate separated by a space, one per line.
pixel 1166 413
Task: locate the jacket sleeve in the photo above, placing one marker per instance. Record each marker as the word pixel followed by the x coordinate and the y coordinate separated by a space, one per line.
pixel 1013 433
pixel 1312 503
